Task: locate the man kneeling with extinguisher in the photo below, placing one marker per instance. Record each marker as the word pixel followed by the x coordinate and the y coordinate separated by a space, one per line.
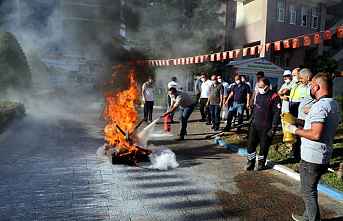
pixel 186 104
pixel 265 119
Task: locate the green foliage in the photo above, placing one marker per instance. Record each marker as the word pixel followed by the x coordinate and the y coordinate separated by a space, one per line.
pixel 10 110
pixel 325 64
pixel 14 69
pixel 331 179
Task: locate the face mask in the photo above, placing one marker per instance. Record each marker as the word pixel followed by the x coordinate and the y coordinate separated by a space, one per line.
pixel 295 78
pixel 243 80
pixel 238 82
pixel 287 81
pixel 261 91
pixel 203 79
pixel 220 80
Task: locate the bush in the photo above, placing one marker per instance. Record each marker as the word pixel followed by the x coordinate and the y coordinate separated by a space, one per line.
pixel 9 111
pixel 14 69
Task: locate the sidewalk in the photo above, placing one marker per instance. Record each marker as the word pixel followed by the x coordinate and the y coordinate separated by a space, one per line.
pixel 266 195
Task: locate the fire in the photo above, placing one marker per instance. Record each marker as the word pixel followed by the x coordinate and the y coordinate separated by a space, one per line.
pixel 120 110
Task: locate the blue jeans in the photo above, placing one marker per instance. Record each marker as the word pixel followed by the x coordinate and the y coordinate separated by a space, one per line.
pixel 310 174
pixel 238 109
pixel 185 113
pixel 215 116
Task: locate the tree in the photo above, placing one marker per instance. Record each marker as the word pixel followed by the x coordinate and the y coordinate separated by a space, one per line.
pixel 14 69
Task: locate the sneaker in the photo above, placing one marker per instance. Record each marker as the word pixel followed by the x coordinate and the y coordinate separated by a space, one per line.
pixel 261 167
pixel 208 123
pixel 297 218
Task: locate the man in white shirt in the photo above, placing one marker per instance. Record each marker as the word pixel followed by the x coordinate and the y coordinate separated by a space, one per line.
pixel 148 99
pixel 172 84
pixel 204 95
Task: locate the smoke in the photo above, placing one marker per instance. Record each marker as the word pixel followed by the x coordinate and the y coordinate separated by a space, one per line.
pixel 144 135
pixel 162 158
pixel 67 57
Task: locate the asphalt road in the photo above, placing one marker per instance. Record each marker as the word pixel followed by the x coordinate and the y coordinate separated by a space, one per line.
pixel 49 171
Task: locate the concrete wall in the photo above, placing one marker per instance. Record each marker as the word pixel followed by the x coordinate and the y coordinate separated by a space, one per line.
pixel 280 30
pixel 250 23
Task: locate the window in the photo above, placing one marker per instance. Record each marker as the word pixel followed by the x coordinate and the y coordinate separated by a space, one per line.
pixel 293 15
pixel 304 16
pixel 281 10
pixel 315 18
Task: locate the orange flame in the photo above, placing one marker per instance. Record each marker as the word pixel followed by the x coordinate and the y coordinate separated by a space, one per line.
pixel 121 110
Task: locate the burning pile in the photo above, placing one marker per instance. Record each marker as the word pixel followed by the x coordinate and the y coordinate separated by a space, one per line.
pixel 122 123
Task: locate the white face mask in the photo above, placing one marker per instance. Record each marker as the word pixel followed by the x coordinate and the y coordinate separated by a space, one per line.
pixel 295 78
pixel 261 90
pixel 220 80
pixel 243 80
pixel 287 80
pixel 238 82
pixel 202 79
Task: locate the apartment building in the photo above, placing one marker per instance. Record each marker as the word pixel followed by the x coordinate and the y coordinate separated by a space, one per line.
pixel 252 22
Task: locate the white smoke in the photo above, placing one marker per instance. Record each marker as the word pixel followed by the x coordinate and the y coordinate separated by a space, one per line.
pixel 163 158
pixel 101 154
pixel 144 135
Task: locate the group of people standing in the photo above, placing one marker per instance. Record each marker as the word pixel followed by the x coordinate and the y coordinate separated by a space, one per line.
pixel 307 97
pixel 220 100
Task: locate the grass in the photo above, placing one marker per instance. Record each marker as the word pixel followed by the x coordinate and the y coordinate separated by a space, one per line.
pixel 280 154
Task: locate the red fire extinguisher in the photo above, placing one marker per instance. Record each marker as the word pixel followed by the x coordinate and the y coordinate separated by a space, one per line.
pixel 167 123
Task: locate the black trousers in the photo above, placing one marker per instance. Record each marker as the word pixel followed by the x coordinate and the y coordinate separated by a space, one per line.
pixel 258 136
pixel 148 108
pixel 205 110
pixel 310 174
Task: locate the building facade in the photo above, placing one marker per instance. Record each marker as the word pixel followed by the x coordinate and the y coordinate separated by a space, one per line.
pixel 254 22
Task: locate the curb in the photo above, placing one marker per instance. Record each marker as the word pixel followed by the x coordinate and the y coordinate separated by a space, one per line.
pixel 323 188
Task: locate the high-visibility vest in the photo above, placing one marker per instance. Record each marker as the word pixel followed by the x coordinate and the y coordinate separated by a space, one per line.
pixel 298 92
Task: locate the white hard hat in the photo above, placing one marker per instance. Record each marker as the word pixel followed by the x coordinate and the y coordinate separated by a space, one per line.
pixel 287 73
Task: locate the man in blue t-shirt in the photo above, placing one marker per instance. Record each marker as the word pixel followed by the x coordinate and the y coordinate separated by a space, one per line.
pixel 316 142
pixel 241 98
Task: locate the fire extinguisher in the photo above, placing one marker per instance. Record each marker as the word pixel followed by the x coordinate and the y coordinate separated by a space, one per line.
pixel 167 123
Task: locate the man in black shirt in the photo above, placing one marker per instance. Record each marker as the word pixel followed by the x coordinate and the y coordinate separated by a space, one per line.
pixel 266 115
pixel 241 98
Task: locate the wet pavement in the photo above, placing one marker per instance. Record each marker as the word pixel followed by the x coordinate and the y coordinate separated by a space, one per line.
pixel 49 171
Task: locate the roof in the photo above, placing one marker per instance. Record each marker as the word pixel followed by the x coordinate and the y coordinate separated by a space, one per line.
pixel 256 64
